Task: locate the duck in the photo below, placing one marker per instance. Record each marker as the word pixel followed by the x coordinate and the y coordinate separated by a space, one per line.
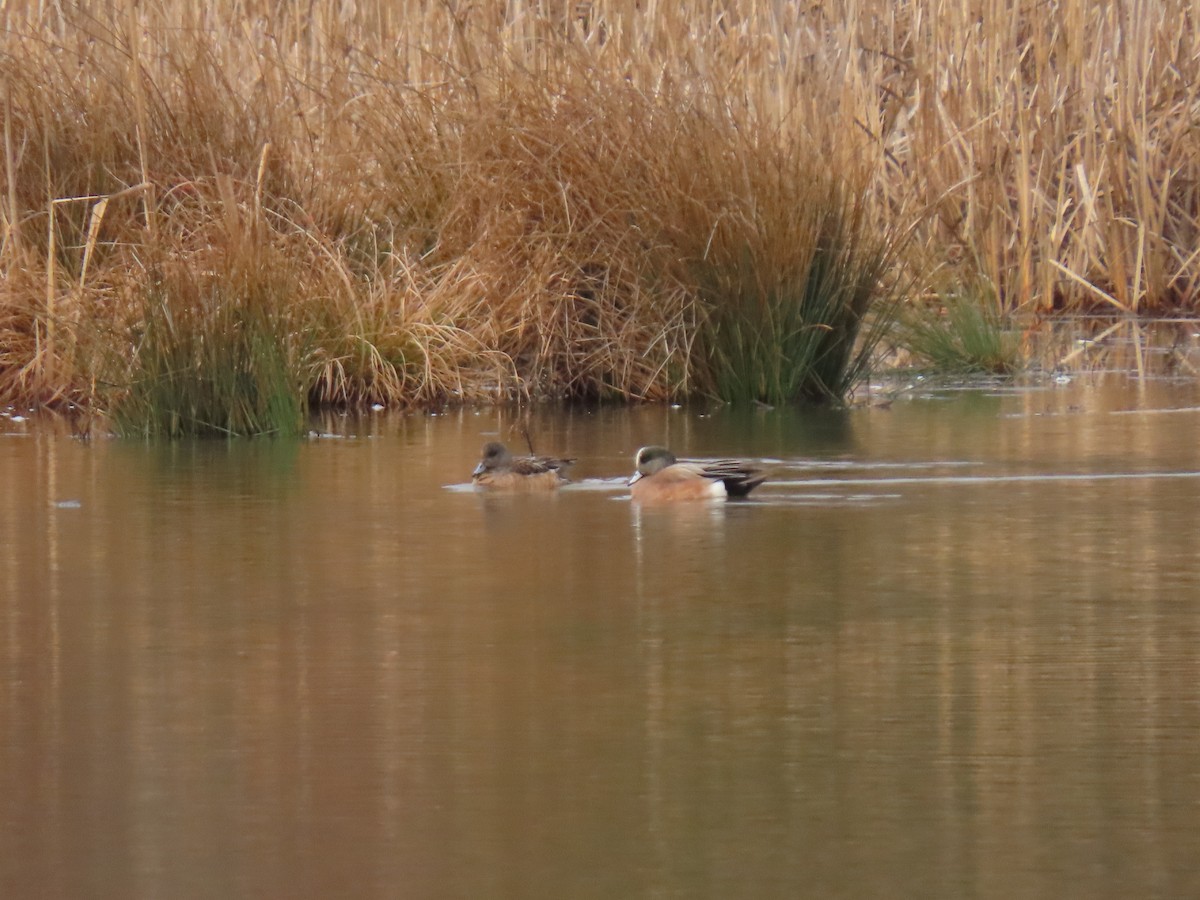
pixel 499 470
pixel 660 477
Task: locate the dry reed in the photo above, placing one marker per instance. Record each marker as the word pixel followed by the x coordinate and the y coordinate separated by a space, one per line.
pixel 477 202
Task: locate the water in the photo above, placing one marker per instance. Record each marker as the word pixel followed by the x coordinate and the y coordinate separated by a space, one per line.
pixel 949 650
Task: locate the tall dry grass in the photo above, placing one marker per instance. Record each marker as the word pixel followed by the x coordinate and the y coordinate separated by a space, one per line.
pixel 476 201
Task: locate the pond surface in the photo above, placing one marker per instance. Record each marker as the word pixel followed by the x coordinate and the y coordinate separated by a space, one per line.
pixel 949 650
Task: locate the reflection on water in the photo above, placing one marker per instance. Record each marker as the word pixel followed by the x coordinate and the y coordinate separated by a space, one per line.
pixel 949 650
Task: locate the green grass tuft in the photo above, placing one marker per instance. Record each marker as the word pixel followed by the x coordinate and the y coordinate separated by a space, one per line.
pixel 212 361
pixel 796 316
pixel 966 335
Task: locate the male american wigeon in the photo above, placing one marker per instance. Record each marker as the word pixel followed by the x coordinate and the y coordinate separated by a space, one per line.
pixel 660 477
pixel 499 470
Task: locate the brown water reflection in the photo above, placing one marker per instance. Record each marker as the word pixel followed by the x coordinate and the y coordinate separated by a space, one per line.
pixel 915 665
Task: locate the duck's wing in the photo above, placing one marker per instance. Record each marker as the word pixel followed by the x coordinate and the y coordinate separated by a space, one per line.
pixel 740 478
pixel 539 465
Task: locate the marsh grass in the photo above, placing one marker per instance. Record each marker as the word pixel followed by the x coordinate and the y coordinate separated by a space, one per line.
pixel 497 201
pixel 207 362
pixel 787 306
pixel 965 334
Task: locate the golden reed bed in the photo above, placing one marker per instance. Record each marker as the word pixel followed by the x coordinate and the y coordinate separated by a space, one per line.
pixel 430 201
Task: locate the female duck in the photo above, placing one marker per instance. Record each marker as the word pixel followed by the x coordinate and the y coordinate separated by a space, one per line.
pixel 660 478
pixel 499 470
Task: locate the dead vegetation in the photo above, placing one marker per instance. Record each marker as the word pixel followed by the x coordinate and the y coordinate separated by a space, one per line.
pixel 451 202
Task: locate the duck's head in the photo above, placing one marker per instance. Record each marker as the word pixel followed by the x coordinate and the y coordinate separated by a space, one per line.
pixel 495 455
pixel 649 460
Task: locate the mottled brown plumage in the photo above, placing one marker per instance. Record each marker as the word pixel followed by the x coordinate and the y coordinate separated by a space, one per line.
pixel 499 470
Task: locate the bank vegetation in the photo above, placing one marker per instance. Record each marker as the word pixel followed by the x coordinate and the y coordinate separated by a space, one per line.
pixel 216 215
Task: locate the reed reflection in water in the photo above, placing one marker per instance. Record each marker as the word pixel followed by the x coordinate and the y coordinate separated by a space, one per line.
pixel 311 669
